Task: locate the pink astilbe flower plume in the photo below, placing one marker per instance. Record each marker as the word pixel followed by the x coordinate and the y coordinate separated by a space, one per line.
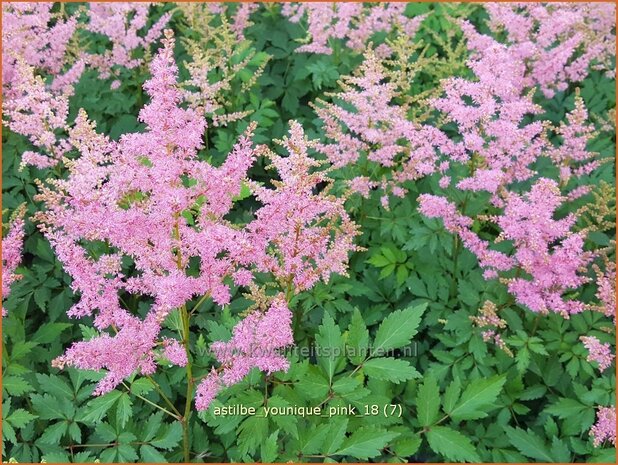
pixel 500 151
pixel 123 24
pixel 256 343
pixel 32 33
pixel 559 42
pixel 39 114
pixel 353 22
pixel 134 195
pixel 12 246
pixel 378 129
pixel 302 233
pixel 598 352
pixel 605 427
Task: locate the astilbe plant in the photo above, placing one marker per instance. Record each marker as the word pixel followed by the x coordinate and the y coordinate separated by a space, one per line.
pixel 32 33
pixel 559 42
pixel 123 24
pixel 500 154
pixel 148 205
pixel 353 22
pixel 12 245
pixel 221 67
pixel 365 120
pixel 38 113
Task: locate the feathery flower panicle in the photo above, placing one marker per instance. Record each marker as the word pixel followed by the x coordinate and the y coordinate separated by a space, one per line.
pixel 240 20
pixel 546 249
pixel 217 53
pixel 354 22
pixel 136 196
pixel 379 129
pixel 175 352
pixel 32 33
pixel 301 234
pixel 606 288
pixel 560 42
pixel 572 156
pixel 12 246
pixel 37 113
pixel 605 427
pixel 489 113
pixel 256 342
pixel 598 352
pixel 123 24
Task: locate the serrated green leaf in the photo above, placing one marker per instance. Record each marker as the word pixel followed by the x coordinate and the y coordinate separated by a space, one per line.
pixel 398 329
pixel 20 418
pixel 366 442
pixel 141 386
pixel 428 401
pixel 451 444
pixel 53 433
pixel 269 450
pixel 16 385
pixel 47 407
pixel 390 369
pixel 478 398
pixel 124 409
pixel 566 408
pixel 151 455
pixel 49 332
pixel 169 438
pixel 329 346
pixel 97 408
pixel 529 444
pixel 358 338
pixel 335 437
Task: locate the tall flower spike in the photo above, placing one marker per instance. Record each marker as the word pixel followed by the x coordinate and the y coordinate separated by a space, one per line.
pixel 123 24
pixel 12 246
pixel 560 42
pixel 150 201
pixel 353 22
pixel 32 33
pixel 302 233
pixel 37 113
pixel 378 128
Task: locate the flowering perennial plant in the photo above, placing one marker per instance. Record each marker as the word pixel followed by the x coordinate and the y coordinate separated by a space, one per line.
pixel 213 205
pixel 559 42
pixel 12 246
pixel 353 22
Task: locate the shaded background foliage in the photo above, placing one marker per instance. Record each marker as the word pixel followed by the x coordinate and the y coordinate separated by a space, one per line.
pixel 537 406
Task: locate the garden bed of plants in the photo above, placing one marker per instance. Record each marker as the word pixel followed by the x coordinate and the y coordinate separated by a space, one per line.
pixel 308 232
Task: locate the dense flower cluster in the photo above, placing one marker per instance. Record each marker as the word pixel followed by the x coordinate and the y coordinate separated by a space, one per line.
pixel 150 199
pixel 123 24
pixel 39 114
pixel 500 152
pixel 605 427
pixel 378 130
pixel 598 352
pixel 28 34
pixel 299 236
pixel 353 22
pixel 255 343
pixel 557 41
pixel 12 246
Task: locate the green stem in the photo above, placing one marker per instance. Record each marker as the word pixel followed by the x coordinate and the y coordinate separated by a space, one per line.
pixel 187 414
pixel 165 398
pixel 177 417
